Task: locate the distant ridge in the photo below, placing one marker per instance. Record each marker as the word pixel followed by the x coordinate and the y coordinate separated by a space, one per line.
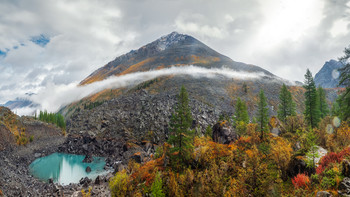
pixel 328 76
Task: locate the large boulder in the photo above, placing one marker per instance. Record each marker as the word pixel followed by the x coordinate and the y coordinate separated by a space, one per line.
pixel 224 133
pixel 296 166
pixel 276 126
pixel 320 153
pixel 346 168
pixel 344 187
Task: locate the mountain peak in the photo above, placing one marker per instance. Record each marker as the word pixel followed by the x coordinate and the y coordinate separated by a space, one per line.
pixel 168 40
pixel 328 76
pixel 173 49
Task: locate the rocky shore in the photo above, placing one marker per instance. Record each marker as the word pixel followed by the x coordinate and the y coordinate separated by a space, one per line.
pixel 17 181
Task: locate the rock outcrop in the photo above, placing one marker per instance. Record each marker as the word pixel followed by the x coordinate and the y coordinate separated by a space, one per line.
pixel 224 133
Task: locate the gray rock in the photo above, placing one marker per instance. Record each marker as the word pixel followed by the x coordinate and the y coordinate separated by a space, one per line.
pixel 36 155
pixel 323 194
pixel 344 187
pixel 88 169
pixel 97 180
pixel 223 133
pixel 88 159
pixel 346 168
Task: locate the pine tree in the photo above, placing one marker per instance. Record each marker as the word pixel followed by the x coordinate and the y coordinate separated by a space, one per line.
pixel 312 113
pixel 181 136
pixel 323 106
pixel 287 106
pixel 262 117
pixel 345 81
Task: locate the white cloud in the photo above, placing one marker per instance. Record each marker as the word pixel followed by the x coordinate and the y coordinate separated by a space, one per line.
pixel 54 96
pixel 340 28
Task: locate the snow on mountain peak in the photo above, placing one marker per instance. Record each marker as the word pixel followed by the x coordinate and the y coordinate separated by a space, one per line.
pixel 168 40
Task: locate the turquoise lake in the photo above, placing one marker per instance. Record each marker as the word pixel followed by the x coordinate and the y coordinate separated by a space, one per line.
pixel 66 168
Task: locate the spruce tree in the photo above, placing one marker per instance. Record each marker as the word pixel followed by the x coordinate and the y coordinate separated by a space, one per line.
pixel 241 118
pixel 262 116
pixel 323 106
pixel 181 137
pixel 287 106
pixel 241 113
pixel 312 112
pixel 345 81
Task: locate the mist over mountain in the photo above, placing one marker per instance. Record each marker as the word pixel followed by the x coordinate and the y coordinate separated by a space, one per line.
pixel 158 70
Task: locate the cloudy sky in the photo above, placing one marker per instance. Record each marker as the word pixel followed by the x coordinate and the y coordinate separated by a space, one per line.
pixel 47 43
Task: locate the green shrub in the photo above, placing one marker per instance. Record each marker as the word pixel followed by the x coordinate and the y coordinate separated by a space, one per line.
pixel 156 187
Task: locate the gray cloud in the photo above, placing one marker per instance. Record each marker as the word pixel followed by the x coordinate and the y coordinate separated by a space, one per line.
pixel 85 35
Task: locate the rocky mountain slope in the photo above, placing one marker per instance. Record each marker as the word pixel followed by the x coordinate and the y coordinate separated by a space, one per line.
pixel 134 111
pixel 171 50
pixel 328 76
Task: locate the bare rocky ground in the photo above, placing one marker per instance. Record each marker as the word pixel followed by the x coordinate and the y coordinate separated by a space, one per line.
pixel 15 179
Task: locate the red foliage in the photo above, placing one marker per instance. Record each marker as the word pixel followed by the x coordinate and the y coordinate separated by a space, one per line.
pixel 300 181
pixel 332 158
pixel 319 169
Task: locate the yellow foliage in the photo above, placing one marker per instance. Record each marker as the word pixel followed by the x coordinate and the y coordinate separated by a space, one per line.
pixel 249 153
pixel 281 153
pixel 86 194
pixel 120 184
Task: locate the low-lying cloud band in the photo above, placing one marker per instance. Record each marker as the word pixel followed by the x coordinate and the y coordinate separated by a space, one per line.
pixel 53 97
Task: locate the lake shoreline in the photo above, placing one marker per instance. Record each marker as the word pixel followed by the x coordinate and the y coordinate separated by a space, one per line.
pixel 16 179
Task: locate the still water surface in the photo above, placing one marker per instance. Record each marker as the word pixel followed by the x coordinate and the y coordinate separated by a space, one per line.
pixel 66 168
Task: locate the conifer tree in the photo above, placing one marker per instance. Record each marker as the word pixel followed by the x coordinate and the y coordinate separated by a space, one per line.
pixel 241 113
pixel 181 137
pixel 262 116
pixel 312 112
pixel 287 106
pixel 345 81
pixel 241 118
pixel 323 106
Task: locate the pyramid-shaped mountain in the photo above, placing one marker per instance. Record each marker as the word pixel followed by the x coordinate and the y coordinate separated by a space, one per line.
pixel 143 110
pixel 171 50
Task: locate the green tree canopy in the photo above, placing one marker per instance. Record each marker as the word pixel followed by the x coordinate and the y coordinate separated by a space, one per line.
pixel 345 81
pixel 181 136
pixel 323 106
pixel 312 112
pixel 262 116
pixel 287 106
pixel 241 113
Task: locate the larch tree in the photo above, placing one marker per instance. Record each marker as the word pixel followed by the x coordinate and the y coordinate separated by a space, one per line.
pixel 312 112
pixel 287 106
pixel 181 136
pixel 323 106
pixel 262 116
